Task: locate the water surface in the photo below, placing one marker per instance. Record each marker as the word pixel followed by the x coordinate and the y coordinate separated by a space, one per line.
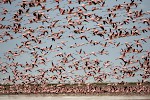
pixel 38 97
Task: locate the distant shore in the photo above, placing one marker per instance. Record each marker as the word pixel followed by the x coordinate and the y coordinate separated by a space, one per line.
pixel 76 89
pixel 102 94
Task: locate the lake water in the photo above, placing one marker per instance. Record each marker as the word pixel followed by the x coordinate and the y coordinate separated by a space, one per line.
pixel 37 97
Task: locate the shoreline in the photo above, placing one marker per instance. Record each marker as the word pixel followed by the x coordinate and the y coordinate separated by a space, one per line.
pixel 75 90
pixel 54 95
pixel 93 97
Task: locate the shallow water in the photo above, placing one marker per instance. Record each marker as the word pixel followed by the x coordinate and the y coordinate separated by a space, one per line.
pixel 37 97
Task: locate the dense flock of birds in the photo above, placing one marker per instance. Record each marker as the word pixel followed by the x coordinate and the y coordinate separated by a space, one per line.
pixel 73 41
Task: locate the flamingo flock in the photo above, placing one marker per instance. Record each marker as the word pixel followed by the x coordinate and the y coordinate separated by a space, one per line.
pixel 74 41
pixel 89 89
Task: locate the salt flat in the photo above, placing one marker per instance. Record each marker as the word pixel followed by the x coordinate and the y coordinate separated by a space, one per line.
pixel 38 97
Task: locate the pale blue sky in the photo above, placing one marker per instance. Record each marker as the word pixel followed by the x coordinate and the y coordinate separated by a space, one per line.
pixel 114 52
